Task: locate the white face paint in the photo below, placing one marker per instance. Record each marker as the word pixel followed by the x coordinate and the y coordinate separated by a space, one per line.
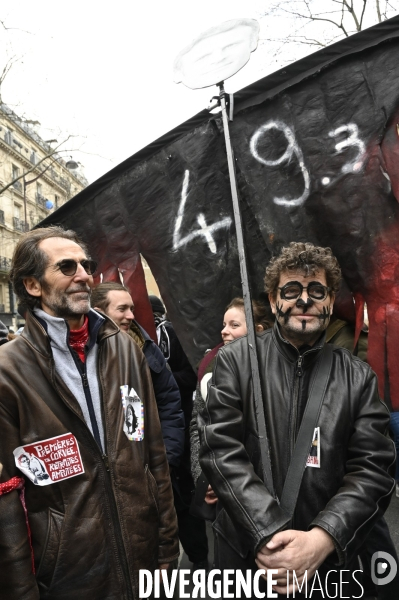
pixel 302 322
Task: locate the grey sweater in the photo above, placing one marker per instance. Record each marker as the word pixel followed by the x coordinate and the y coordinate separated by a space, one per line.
pixel 58 332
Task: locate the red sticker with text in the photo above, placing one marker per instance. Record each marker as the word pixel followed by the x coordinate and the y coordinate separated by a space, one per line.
pixel 50 461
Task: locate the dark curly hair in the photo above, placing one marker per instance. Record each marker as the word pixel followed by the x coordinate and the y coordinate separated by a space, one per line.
pixel 30 261
pixel 305 258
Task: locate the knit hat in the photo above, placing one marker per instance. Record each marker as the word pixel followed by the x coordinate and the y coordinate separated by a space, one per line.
pixel 156 305
pixel 3 333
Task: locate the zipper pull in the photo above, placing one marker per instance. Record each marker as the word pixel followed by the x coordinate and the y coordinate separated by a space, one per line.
pixel 106 463
pixel 299 371
pixel 84 379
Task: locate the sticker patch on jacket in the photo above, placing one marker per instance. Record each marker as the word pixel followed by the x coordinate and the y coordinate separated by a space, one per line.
pixel 313 459
pixel 50 461
pixel 133 411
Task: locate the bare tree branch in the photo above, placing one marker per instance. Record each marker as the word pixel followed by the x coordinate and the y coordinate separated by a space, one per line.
pixel 377 5
pixel 362 15
pixel 4 26
pixel 34 167
pixel 345 16
pixel 6 69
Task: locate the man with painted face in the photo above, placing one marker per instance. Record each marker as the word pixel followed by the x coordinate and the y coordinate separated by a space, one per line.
pixel 345 486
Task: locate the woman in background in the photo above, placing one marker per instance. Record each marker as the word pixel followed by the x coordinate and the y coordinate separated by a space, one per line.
pixel 234 326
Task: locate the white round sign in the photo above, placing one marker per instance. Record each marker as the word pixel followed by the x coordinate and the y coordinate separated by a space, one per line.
pixel 217 54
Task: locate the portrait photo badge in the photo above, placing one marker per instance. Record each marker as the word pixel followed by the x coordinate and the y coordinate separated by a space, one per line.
pixel 313 459
pixel 133 411
pixel 50 461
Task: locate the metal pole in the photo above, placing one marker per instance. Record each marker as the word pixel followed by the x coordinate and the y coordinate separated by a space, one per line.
pixel 259 409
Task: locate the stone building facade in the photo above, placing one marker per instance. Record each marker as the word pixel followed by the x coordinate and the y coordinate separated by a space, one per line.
pixel 37 188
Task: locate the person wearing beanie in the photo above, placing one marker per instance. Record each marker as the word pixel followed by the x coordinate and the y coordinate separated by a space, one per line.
pixel 156 304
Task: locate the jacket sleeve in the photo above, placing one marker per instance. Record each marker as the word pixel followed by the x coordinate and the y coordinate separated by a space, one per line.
pixel 367 485
pixel 167 396
pixel 16 577
pixel 168 540
pixel 198 406
pixel 252 510
pixel 183 372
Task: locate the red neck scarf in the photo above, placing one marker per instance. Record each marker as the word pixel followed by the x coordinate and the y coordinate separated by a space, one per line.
pixel 78 339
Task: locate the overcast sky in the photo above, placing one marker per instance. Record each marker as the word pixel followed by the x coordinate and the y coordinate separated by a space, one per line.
pixel 103 70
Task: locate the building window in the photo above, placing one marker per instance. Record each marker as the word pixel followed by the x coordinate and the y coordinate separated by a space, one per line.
pixel 39 190
pixel 2 307
pixel 17 183
pixel 17 211
pixel 7 137
pixel 15 172
pixel 56 200
pixel 33 157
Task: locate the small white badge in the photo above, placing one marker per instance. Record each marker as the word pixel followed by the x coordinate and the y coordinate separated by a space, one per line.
pixel 313 459
pixel 50 461
pixel 133 410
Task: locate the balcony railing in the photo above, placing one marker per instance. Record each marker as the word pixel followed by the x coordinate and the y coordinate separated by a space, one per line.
pixel 5 263
pixel 20 225
pixel 41 201
pixel 65 184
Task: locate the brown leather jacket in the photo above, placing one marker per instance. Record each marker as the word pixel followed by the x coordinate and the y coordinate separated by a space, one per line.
pixel 93 532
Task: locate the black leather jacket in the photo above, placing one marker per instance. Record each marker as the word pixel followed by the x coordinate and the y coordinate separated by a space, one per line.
pixel 350 490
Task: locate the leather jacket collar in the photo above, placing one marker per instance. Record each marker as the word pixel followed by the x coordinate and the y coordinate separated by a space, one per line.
pixel 36 335
pixel 291 353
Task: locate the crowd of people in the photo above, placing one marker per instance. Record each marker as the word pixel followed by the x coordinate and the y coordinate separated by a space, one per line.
pixel 113 447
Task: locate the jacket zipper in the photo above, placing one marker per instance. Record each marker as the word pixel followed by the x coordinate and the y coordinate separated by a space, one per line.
pixel 295 399
pixel 109 491
pixel 113 506
pixel 297 377
pixel 106 462
pixel 84 378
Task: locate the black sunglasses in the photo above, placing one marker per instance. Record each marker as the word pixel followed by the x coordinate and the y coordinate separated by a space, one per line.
pixel 68 266
pixel 294 289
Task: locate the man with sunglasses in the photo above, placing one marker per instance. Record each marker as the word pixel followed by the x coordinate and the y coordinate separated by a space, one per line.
pixel 105 511
pixel 345 486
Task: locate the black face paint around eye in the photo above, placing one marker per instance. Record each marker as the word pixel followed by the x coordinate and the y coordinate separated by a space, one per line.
pixel 304 305
pixel 282 314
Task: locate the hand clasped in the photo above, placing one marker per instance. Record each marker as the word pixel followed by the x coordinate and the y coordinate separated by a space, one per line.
pixel 292 550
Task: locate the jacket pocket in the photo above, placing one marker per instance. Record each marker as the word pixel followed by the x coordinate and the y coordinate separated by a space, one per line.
pixel 48 562
pixel 224 526
pixel 152 486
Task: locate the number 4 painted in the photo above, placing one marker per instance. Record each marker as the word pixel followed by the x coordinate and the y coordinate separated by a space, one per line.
pixel 205 230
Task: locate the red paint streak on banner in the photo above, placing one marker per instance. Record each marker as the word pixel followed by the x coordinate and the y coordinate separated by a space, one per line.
pixel 383 309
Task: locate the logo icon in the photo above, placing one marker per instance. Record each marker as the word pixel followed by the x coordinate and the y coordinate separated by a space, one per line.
pixel 383 568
